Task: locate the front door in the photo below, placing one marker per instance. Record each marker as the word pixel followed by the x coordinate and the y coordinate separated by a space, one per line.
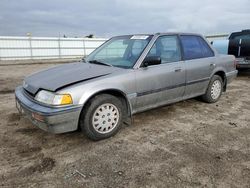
pixel 161 84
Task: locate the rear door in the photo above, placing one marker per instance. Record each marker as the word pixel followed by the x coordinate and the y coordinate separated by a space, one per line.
pixel 200 62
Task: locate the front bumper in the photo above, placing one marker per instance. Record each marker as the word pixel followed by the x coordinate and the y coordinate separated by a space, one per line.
pixel 51 119
pixel 231 75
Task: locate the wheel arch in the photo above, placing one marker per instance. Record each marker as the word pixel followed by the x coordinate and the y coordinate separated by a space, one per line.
pixel 222 74
pixel 115 92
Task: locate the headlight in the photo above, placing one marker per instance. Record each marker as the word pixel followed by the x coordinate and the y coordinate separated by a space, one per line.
pixel 51 98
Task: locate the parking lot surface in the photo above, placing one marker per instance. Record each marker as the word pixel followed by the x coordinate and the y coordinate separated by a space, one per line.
pixel 187 144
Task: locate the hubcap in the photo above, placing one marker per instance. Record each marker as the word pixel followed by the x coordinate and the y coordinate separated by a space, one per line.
pixel 105 118
pixel 216 89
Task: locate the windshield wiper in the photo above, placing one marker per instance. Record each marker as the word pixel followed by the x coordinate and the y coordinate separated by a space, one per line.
pixel 100 63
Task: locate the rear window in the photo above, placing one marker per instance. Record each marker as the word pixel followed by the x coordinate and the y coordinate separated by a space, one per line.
pixel 243 36
pixel 194 47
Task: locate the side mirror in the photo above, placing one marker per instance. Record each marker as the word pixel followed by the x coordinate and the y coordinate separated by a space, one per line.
pixel 151 60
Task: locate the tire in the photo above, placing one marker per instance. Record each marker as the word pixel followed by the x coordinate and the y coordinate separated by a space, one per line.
pixel 102 117
pixel 214 90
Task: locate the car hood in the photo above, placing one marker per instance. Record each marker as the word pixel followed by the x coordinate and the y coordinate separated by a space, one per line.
pixel 61 76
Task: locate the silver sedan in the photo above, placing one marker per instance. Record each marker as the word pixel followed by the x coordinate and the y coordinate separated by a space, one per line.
pixel 126 75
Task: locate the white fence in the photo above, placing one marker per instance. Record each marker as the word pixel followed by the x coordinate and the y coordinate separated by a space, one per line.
pixel 210 38
pixel 17 48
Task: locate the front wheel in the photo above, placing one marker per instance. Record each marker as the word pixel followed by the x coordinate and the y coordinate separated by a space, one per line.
pixel 214 90
pixel 102 117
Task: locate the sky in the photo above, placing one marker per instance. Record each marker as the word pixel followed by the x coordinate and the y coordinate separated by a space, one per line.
pixel 106 18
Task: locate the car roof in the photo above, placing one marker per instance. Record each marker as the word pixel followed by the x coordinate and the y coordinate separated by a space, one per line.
pixel 161 33
pixel 176 33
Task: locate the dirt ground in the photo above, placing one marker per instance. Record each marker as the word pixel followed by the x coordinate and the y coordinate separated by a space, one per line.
pixel 187 144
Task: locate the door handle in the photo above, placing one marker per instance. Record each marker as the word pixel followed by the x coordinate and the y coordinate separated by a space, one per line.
pixel 212 65
pixel 178 69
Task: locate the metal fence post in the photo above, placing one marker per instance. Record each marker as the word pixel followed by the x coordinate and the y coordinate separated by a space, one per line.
pixel 59 47
pixel 84 47
pixel 31 51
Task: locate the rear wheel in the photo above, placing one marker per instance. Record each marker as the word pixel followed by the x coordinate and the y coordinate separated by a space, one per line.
pixel 214 90
pixel 102 117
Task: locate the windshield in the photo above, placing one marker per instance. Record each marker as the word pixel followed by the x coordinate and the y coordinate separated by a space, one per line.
pixel 122 51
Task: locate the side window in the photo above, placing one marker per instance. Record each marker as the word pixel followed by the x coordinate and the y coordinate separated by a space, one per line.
pixel 167 47
pixel 191 47
pixel 207 51
pixel 195 47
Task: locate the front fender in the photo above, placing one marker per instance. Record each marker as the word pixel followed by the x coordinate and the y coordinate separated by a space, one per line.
pixel 109 88
pixel 123 83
